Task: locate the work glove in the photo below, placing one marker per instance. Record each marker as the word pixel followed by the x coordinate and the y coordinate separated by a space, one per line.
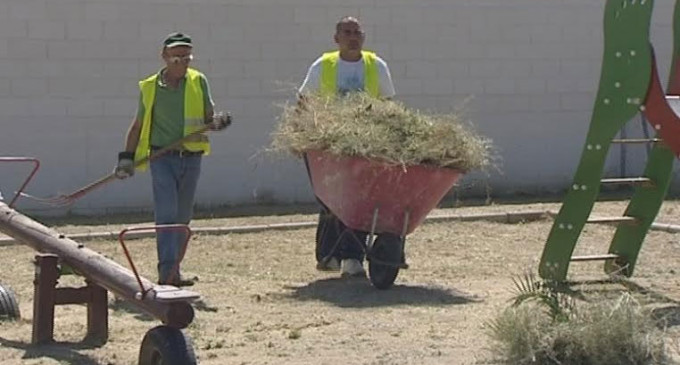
pixel 220 121
pixel 126 165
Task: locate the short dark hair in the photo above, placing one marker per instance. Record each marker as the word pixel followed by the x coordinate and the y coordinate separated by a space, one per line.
pixel 348 19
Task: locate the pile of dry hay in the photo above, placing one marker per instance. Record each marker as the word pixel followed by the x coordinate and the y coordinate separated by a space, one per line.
pixel 358 125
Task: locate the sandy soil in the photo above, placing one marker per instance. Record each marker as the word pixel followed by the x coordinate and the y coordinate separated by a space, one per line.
pixel 263 302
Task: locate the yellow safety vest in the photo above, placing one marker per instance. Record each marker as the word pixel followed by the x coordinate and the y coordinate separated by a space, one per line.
pixel 194 115
pixel 329 73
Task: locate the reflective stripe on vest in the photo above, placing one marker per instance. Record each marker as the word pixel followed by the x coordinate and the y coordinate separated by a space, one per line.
pixel 329 73
pixel 194 115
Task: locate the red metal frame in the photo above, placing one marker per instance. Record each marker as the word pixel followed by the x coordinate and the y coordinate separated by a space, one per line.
pixel 161 227
pixel 36 164
pixel 660 114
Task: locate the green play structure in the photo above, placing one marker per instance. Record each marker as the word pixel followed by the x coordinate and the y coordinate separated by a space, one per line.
pixel 629 84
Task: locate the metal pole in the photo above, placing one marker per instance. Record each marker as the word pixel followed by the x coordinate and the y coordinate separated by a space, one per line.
pixel 96 268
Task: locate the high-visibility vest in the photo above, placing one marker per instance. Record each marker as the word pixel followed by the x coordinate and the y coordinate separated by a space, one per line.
pixel 194 115
pixel 329 73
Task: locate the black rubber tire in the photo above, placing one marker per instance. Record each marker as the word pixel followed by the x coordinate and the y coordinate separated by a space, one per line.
pixel 165 345
pixel 9 307
pixel 386 248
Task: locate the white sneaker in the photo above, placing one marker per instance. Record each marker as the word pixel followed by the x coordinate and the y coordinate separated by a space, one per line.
pixel 352 267
pixel 332 265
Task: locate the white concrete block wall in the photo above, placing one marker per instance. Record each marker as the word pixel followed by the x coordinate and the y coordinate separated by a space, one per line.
pixel 69 72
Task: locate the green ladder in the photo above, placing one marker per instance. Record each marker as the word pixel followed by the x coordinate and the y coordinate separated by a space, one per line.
pixel 629 84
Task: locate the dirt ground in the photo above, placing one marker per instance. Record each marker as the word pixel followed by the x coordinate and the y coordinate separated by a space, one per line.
pixel 263 302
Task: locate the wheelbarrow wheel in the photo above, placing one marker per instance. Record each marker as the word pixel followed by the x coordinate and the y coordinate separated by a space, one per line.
pixel 9 308
pixel 165 345
pixel 387 250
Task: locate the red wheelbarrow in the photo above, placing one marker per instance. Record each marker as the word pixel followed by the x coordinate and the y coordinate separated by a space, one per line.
pixel 387 201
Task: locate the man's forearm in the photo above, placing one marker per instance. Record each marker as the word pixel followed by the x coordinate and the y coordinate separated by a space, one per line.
pixel 132 138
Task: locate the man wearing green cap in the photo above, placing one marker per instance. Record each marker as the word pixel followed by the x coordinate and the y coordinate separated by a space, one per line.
pixel 175 104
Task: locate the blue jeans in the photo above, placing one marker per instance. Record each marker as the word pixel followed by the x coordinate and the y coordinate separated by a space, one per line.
pixel 174 181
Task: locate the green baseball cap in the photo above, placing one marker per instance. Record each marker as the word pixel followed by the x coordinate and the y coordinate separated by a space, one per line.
pixel 177 39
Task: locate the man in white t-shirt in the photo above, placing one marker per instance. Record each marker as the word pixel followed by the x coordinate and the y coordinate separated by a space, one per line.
pixel 350 65
pixel 349 69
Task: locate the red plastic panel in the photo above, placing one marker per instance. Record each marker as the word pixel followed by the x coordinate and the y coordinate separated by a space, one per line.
pixel 353 187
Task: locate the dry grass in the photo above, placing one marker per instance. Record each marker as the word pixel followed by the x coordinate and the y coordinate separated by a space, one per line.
pixel 359 125
pixel 264 302
pixel 597 331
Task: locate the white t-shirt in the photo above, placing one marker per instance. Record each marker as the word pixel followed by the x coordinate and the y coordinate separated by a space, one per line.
pixel 350 77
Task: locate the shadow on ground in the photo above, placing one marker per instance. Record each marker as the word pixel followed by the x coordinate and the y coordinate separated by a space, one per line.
pixel 119 305
pixel 359 293
pixel 62 352
pixel 667 316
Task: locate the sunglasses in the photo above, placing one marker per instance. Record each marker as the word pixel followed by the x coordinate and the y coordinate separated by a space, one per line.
pixel 349 33
pixel 181 59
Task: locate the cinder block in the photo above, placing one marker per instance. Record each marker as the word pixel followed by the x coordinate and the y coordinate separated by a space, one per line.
pixel 452 69
pixel 26 49
pixel 47 107
pixel 66 50
pixel 102 11
pixel 485 68
pixel 311 14
pixel 120 107
pixel 39 68
pixel 226 33
pixel 468 86
pixel 28 10
pixel 499 85
pixel 408 14
pixel 226 68
pixel 86 107
pixel 155 31
pixel 123 30
pixel 375 16
pixel 542 33
pixel 408 52
pixel 270 14
pixel 12 107
pixel 544 68
pixel 530 85
pixel 14 28
pixel 129 68
pixel 25 87
pixel 577 101
pixel 66 10
pixel 335 13
pixel 211 13
pixel 408 86
pixel 243 87
pixel 452 32
pixel 421 69
pixel 544 103
pixel 277 50
pixel 84 30
pixel 437 86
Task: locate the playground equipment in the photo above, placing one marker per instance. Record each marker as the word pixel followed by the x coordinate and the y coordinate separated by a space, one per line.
pixel 386 201
pixel 162 345
pixel 629 84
